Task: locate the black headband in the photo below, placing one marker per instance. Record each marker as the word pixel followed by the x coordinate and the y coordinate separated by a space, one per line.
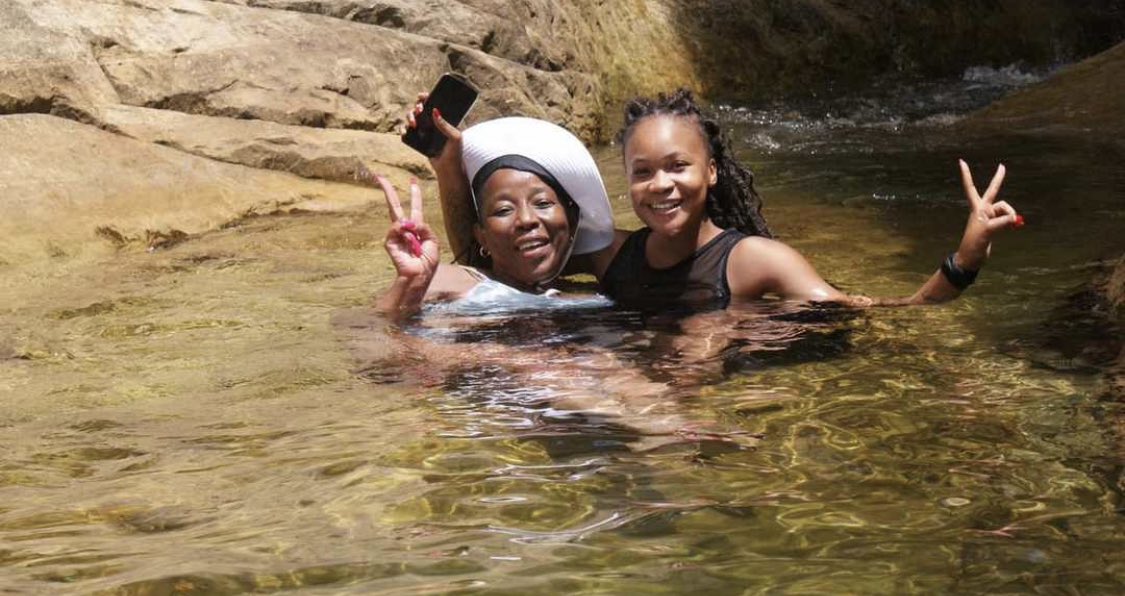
pixel 523 164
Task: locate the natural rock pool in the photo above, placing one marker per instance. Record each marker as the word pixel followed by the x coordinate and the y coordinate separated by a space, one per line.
pixel 224 416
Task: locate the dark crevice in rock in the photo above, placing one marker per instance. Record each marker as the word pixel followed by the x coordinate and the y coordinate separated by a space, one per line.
pixel 35 105
pixel 54 105
pixel 193 13
pixel 383 16
pixel 194 102
pixel 140 5
pixel 488 43
pixel 153 240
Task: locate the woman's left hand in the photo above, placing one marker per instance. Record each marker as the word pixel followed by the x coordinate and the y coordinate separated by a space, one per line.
pixel 987 217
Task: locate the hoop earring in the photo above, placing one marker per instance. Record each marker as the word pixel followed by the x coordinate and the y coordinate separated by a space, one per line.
pixel 484 254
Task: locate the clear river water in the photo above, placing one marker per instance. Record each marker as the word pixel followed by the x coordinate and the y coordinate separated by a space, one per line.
pixel 226 416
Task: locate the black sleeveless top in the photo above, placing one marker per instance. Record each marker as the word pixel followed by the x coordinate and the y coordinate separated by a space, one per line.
pixel 697 282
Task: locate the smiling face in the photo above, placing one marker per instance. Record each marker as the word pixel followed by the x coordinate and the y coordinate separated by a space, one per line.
pixel 524 226
pixel 669 170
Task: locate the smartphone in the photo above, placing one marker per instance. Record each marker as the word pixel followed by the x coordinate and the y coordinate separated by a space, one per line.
pixel 452 96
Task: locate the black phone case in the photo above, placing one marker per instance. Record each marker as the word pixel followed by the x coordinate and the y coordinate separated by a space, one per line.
pixel 452 96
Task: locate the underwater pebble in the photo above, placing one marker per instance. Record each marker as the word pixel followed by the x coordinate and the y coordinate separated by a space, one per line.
pixel 955 502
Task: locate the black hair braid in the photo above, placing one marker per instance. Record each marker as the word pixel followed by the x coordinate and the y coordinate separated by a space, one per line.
pixel 733 202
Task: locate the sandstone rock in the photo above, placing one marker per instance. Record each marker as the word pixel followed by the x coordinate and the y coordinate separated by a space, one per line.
pixel 1087 98
pixel 288 67
pixel 225 60
pixel 65 184
pixel 327 154
pixel 46 71
pixel 486 29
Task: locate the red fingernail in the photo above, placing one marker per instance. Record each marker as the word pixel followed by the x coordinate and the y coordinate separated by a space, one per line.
pixel 437 113
pixel 415 245
pixel 1019 221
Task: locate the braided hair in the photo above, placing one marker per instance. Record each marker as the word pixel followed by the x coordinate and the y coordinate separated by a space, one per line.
pixel 732 202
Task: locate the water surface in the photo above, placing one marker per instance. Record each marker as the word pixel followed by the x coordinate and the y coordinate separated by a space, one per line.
pixel 226 416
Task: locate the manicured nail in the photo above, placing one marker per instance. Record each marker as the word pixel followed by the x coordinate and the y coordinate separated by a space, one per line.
pixel 1019 221
pixel 437 113
pixel 415 245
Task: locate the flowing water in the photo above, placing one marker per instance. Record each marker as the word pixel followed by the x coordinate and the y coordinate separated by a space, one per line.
pixel 225 416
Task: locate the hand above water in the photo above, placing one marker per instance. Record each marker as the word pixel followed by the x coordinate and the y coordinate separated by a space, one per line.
pixel 413 248
pixel 411 244
pixel 453 184
pixel 987 217
pixel 448 162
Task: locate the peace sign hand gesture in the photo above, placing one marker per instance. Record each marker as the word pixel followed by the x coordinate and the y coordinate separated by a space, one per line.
pixel 411 244
pixel 987 217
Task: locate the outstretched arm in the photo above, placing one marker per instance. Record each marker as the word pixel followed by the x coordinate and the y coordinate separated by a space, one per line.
pixel 760 266
pixel 987 216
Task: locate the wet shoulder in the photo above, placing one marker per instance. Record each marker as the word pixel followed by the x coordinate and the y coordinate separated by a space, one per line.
pixel 754 263
pixel 451 282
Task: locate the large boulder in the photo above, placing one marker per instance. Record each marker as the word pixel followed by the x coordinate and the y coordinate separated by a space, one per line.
pixel 1087 98
pixel 44 70
pixel 70 188
pixel 321 153
pixel 289 67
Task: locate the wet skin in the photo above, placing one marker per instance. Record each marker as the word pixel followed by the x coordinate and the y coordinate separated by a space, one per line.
pixel 669 171
pixel 524 227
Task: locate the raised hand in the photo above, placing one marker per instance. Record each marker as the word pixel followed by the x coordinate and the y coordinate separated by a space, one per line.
pixel 453 184
pixel 449 160
pixel 987 217
pixel 411 244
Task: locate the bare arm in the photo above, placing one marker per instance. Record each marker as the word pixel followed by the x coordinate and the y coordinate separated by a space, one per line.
pixel 987 216
pixel 454 190
pixel 759 266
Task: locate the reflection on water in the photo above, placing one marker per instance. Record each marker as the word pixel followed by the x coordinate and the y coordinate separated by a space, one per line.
pixel 225 417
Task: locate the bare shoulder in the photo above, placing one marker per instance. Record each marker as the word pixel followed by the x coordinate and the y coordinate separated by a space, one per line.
pixel 759 247
pixel 760 266
pixel 450 283
pixel 764 253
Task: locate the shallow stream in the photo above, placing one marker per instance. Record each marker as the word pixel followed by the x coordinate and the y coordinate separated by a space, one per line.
pixel 225 416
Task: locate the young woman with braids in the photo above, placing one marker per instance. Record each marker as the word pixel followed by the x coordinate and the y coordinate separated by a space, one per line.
pixel 706 242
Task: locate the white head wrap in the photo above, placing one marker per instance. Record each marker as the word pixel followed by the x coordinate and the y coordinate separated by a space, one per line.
pixel 561 154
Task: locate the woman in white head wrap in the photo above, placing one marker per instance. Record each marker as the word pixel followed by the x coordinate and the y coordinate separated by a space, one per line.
pixel 536 198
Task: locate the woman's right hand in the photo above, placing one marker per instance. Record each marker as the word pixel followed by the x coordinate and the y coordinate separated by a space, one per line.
pixel 448 162
pixel 411 244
